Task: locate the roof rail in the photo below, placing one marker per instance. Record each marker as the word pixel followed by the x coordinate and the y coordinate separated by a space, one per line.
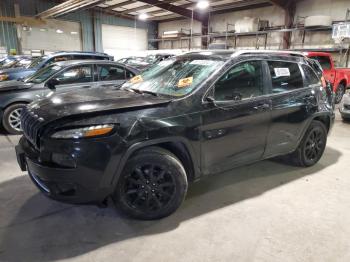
pixel 276 52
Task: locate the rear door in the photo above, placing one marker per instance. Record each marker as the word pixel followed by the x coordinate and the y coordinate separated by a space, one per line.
pixel 112 75
pixel 235 125
pixel 293 101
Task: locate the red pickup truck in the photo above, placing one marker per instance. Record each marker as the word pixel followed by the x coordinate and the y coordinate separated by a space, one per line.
pixel 338 77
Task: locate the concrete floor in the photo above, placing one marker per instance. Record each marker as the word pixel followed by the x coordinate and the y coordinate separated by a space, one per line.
pixel 264 212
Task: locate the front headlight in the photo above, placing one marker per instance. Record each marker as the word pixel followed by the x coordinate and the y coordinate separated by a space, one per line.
pixel 4 77
pixel 84 132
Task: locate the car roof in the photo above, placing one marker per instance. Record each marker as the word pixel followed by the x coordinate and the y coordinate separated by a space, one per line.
pixel 88 62
pixel 77 53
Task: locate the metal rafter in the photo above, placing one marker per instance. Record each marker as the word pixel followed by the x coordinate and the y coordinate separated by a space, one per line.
pixel 177 9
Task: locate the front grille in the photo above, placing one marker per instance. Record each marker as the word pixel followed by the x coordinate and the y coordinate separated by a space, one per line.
pixel 30 125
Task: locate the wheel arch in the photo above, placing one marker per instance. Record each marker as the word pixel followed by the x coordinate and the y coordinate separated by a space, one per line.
pixel 178 146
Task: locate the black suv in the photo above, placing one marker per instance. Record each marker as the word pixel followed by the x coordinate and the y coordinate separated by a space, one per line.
pixel 186 117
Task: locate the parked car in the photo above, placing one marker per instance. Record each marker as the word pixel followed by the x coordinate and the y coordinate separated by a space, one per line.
pixel 338 77
pixel 42 61
pixel 196 114
pixel 57 77
pixel 142 63
pixel 18 62
pixel 345 107
pixel 10 60
pixel 127 60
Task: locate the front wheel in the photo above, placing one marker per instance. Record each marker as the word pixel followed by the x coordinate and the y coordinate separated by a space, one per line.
pixel 339 93
pixel 12 118
pixel 152 185
pixel 312 145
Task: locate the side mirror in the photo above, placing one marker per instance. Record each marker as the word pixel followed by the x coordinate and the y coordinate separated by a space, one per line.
pixel 52 83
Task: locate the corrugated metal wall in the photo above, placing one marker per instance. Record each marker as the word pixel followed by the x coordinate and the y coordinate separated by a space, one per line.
pixel 8 32
pixel 90 23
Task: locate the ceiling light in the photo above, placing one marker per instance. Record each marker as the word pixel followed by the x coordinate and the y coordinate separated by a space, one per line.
pixel 43 29
pixel 202 4
pixel 143 16
pixel 59 31
pixel 73 33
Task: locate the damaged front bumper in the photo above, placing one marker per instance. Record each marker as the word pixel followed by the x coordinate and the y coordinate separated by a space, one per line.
pixel 71 171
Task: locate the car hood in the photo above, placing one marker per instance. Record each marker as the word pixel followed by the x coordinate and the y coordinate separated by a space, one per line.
pixel 14 70
pixel 14 85
pixel 98 100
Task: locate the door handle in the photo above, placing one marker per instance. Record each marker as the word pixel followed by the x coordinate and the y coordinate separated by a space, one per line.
pixel 262 107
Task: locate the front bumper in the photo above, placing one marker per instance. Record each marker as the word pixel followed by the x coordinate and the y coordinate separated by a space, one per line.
pixel 88 180
pixel 345 113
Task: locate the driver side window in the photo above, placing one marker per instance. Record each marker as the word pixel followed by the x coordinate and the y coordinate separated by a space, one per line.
pixel 242 81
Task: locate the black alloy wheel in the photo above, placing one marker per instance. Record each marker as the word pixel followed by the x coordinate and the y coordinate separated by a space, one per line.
pixel 152 186
pixel 312 146
pixel 149 187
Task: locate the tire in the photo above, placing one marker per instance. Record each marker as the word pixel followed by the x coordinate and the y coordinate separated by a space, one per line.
pixel 152 185
pixel 11 118
pixel 312 146
pixel 339 93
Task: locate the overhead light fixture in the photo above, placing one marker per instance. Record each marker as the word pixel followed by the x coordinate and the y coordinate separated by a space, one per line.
pixel 202 4
pixel 143 16
pixel 59 31
pixel 43 29
pixel 73 33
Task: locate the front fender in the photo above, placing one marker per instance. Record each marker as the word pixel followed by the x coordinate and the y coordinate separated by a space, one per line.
pixel 147 143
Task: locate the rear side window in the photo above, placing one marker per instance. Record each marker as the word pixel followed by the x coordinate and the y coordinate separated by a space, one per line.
pixel 310 77
pixel 111 72
pixel 285 76
pixel 324 62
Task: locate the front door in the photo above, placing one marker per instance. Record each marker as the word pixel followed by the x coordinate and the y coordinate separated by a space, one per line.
pixel 235 123
pixel 73 78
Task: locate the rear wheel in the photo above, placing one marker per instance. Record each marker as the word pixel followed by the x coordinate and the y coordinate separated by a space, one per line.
pixel 312 146
pixel 153 185
pixel 339 93
pixel 12 118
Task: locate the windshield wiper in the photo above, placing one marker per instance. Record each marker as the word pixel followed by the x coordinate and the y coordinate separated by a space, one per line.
pixel 141 92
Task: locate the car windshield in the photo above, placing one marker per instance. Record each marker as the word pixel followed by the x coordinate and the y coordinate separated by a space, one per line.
pixel 36 61
pixel 174 77
pixel 43 74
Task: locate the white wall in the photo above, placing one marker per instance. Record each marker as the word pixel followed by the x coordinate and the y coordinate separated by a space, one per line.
pixel 47 38
pixel 178 25
pixel 334 8
pixel 275 15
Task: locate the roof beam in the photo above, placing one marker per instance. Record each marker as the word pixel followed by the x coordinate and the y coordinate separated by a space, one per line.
pixel 281 3
pixel 119 5
pixel 177 9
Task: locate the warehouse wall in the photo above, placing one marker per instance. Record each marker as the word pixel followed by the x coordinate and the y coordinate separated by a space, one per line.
pixel 90 22
pixel 334 8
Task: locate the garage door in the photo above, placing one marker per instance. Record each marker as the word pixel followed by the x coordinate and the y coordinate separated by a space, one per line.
pixel 55 35
pixel 121 41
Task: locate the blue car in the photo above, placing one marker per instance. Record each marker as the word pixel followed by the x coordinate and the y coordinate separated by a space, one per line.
pixel 43 61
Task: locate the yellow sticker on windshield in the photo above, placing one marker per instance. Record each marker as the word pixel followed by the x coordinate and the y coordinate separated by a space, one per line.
pixel 185 82
pixel 136 79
